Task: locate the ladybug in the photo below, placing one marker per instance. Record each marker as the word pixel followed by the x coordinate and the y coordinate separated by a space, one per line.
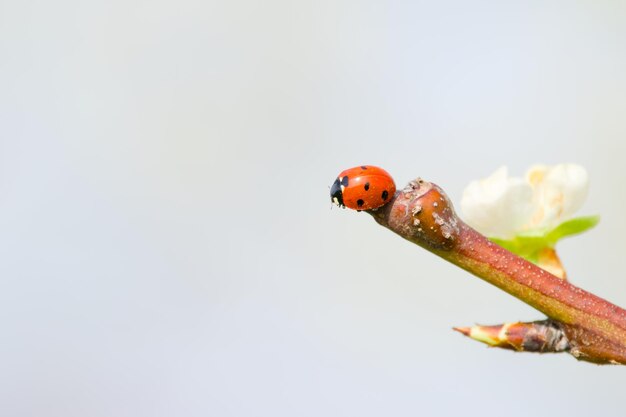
pixel 365 187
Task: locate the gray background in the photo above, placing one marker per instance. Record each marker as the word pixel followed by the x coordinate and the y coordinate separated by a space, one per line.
pixel 166 238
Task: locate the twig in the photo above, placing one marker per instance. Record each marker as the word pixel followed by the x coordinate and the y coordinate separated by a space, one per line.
pixel 421 213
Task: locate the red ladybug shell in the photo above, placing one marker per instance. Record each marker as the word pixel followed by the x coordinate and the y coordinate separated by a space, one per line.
pixel 365 187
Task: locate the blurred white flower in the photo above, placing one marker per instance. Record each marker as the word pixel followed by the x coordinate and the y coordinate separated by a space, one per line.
pixel 502 207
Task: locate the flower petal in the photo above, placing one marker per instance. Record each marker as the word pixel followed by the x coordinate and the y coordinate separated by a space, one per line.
pixel 497 206
pixel 559 193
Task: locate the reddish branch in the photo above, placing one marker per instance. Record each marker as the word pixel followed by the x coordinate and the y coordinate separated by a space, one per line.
pixel 594 328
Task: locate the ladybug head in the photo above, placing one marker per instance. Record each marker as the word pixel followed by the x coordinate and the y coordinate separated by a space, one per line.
pixel 336 193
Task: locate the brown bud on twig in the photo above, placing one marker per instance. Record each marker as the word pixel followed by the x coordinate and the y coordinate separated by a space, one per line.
pixel 422 213
pixel 543 336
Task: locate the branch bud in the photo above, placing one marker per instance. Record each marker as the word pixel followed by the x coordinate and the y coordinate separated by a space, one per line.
pixel 423 214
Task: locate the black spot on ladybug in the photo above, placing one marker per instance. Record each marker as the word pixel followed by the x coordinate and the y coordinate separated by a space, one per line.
pixel 367 186
pixel 360 202
pixel 363 167
pixel 385 195
pixel 344 181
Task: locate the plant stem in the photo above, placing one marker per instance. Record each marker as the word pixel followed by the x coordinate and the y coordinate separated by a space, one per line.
pixel 422 213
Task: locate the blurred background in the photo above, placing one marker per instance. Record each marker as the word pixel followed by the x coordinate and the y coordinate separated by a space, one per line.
pixel 167 242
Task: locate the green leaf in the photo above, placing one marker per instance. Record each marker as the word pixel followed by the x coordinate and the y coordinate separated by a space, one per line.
pixel 528 244
pixel 525 246
pixel 572 227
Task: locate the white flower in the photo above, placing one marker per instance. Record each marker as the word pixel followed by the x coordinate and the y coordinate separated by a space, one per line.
pixel 500 206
